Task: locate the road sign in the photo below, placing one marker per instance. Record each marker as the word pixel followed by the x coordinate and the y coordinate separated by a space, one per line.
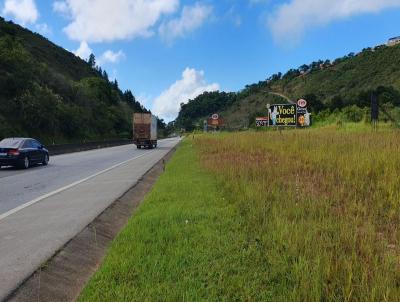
pixel 262 121
pixel 215 121
pixel 302 103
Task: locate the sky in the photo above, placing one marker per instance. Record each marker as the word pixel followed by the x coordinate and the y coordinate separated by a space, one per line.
pixel 169 51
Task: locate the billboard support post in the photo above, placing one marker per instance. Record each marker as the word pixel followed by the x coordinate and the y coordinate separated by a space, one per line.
pixel 374 111
pixel 268 112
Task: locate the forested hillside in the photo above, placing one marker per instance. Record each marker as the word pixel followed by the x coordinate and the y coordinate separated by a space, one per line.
pixel 328 86
pixel 49 93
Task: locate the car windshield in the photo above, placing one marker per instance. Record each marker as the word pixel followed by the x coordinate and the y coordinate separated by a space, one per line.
pixel 10 143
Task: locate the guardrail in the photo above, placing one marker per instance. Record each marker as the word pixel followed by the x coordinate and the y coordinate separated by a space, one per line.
pixel 70 148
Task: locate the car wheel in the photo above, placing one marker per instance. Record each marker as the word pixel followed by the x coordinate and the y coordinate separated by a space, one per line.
pixel 25 163
pixel 45 160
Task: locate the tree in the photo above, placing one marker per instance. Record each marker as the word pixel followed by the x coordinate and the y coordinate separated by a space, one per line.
pixel 105 75
pixel 314 104
pixel 303 68
pixel 336 103
pixel 128 97
pixel 92 61
pixel 115 84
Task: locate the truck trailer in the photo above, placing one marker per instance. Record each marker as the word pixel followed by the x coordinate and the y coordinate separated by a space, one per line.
pixel 144 130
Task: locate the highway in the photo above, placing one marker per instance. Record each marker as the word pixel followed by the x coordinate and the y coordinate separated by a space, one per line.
pixel 42 208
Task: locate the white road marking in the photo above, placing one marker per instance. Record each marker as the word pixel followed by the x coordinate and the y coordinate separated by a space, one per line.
pixel 29 203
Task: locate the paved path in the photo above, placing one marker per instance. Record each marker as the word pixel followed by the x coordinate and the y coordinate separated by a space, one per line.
pixel 42 208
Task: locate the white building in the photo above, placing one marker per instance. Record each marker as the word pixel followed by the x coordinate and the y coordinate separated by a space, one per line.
pixel 393 41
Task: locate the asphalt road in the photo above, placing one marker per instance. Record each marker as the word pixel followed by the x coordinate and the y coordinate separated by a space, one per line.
pixel 42 208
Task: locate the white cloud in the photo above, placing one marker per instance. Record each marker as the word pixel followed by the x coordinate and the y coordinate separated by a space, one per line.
pixel 191 85
pixel 191 18
pixel 60 7
pixel 83 51
pixel 110 56
pixel 106 21
pixel 292 19
pixel 24 11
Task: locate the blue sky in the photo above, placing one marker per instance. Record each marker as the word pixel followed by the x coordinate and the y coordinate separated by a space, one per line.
pixel 168 51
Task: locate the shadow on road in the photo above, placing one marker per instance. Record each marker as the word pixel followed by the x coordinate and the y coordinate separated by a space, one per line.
pixel 11 168
pixel 11 171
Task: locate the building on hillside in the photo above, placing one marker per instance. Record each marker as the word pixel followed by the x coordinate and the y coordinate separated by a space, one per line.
pixel 393 41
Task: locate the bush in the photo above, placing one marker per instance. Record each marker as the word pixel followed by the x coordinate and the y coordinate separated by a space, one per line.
pixel 353 114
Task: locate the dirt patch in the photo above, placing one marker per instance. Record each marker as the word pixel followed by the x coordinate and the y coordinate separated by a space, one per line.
pixel 63 276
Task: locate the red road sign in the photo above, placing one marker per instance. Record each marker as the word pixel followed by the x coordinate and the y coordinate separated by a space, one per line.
pixel 302 103
pixel 215 116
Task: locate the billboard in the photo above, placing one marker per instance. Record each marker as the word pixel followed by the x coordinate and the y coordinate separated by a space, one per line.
pixel 283 115
pixel 287 115
pixel 303 117
pixel 215 121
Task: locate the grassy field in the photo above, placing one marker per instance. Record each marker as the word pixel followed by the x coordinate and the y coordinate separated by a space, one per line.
pixel 183 244
pixel 307 215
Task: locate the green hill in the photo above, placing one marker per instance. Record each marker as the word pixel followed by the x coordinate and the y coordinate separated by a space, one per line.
pixel 49 93
pixel 328 86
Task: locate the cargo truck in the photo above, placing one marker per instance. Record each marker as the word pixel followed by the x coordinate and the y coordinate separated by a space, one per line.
pixel 144 130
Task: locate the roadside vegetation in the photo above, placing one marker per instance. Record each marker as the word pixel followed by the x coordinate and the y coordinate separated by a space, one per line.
pixel 49 93
pixel 304 215
pixel 184 243
pixel 323 206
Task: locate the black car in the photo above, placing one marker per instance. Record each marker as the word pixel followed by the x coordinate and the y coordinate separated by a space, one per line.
pixel 22 152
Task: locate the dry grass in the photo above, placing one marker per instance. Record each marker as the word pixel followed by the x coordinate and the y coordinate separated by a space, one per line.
pixel 321 206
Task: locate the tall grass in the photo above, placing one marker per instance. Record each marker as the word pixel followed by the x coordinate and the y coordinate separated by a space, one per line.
pixel 320 209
